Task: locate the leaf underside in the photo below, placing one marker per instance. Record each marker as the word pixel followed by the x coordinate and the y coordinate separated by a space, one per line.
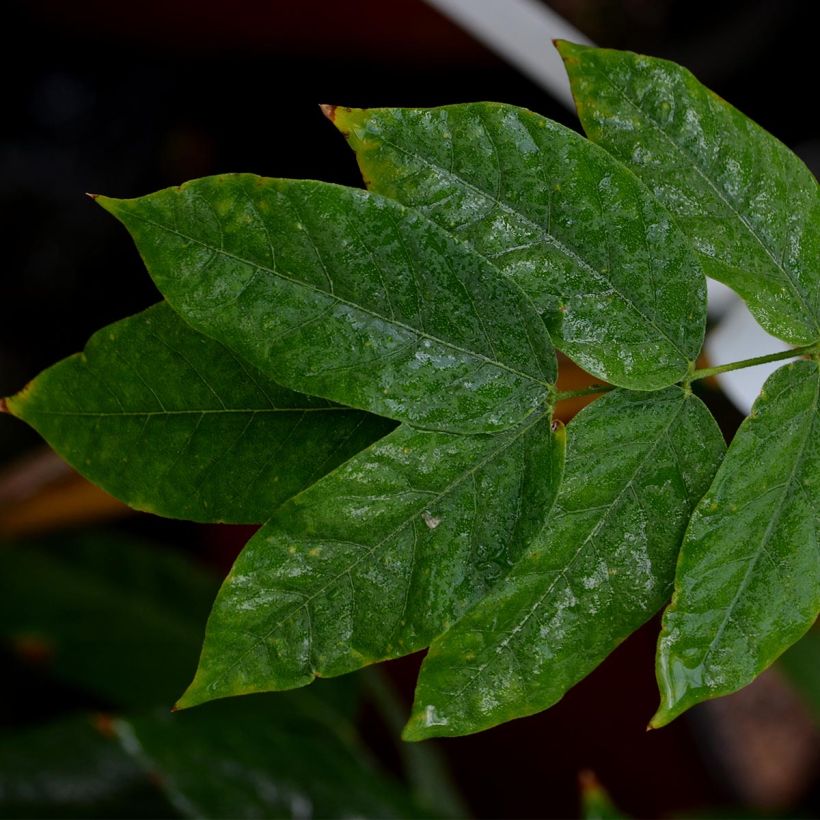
pixel 615 280
pixel 748 581
pixel 173 423
pixel 603 565
pixel 750 206
pixel 379 557
pixel 339 293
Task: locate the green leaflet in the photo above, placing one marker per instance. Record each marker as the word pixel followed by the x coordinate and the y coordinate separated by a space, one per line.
pixel 114 616
pixel 614 278
pixel 748 579
pixel 173 423
pixel 604 563
pixel 339 293
pixel 378 557
pixel 750 205
pixel 267 758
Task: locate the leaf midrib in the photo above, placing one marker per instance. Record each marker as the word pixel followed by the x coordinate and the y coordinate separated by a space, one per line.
pixel 552 239
pixel 370 550
pixel 721 195
pixel 331 295
pixel 770 529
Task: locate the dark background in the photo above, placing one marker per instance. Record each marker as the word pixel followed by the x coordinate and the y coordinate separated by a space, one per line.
pixel 124 99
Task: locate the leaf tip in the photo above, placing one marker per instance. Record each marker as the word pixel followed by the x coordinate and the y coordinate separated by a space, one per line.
pixel 412 732
pixel 106 202
pixel 91 196
pixel 661 718
pixel 329 111
pixel 4 406
pixel 570 52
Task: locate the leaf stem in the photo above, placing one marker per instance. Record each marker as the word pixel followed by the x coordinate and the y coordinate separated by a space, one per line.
pixel 705 372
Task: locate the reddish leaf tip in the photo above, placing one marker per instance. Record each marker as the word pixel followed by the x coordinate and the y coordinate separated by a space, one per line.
pixel 329 111
pixel 91 196
pixel 4 406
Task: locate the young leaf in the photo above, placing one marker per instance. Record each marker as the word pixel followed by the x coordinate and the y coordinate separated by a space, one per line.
pixel 342 294
pixel 173 423
pixel 378 557
pixel 615 280
pixel 748 579
pixel 604 563
pixel 750 205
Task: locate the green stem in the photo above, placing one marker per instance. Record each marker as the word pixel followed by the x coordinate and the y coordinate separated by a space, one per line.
pixel 705 372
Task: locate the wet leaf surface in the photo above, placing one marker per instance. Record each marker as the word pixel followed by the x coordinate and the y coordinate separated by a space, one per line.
pixel 614 279
pixel 748 579
pixel 377 558
pixel 749 205
pixel 601 567
pixel 339 293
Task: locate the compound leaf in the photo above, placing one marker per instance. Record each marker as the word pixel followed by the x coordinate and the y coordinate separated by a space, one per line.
pixel 604 563
pixel 748 580
pixel 750 205
pixel 378 557
pixel 173 423
pixel 342 294
pixel 614 278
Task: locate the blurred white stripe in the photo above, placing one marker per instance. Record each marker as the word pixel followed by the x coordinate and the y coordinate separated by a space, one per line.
pixel 520 31
pixel 739 336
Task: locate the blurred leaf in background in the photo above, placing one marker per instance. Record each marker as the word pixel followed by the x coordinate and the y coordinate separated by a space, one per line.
pixel 116 618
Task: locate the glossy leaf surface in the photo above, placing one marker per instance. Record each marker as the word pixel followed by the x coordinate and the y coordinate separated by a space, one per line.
pixel 173 423
pixel 268 757
pixel 748 580
pixel 377 558
pixel 342 294
pixel 117 617
pixel 615 280
pixel 750 205
pixel 604 563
